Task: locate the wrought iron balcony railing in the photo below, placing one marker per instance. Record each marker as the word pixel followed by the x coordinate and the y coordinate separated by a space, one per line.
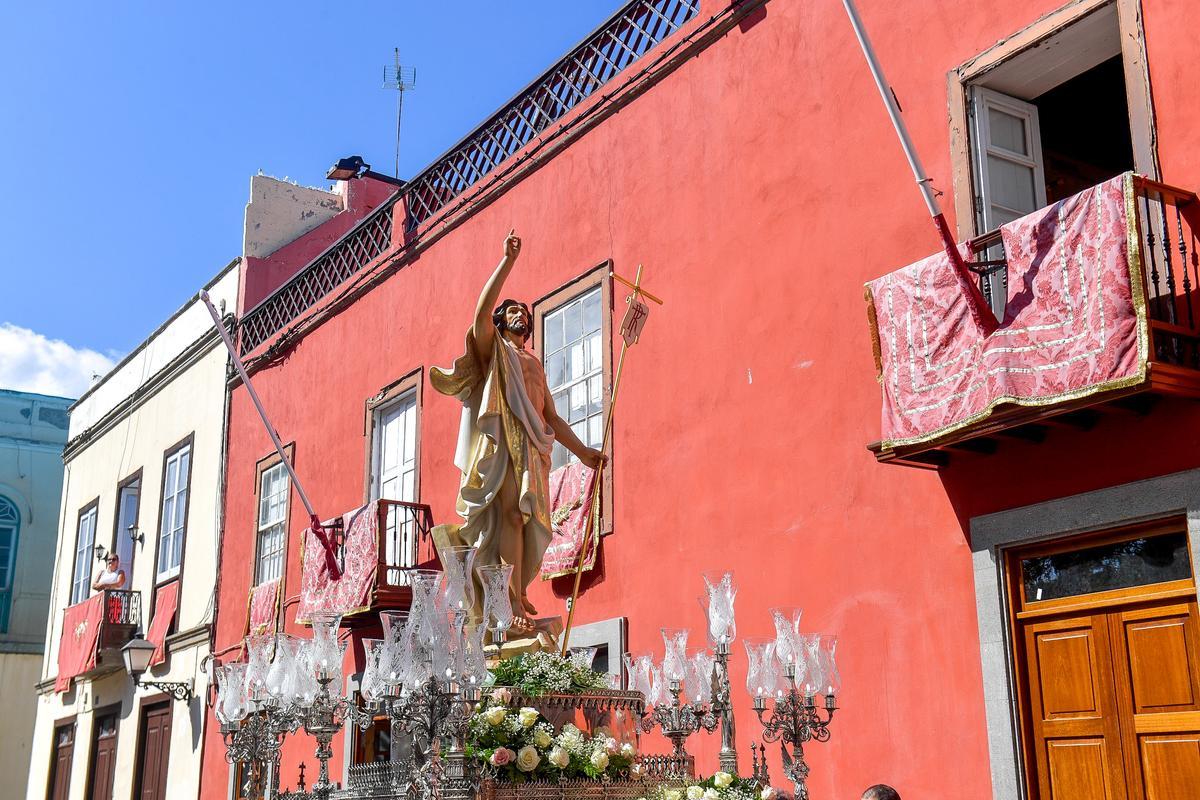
pixel 624 38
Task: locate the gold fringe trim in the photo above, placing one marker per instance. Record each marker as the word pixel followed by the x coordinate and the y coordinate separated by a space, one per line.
pixel 873 321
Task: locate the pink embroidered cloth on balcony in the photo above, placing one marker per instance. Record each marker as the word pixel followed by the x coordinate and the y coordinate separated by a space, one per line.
pixel 77 645
pixel 263 608
pixel 166 603
pixel 571 489
pixel 350 592
pixel 1074 324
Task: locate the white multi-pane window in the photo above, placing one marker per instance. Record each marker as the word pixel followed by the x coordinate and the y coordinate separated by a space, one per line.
pixel 272 523
pixel 10 524
pixel 394 475
pixel 85 539
pixel 172 528
pixel 574 359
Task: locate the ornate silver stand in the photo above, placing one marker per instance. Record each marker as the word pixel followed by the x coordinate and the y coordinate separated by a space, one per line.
pixel 723 708
pixel 322 720
pixel 678 721
pixel 794 721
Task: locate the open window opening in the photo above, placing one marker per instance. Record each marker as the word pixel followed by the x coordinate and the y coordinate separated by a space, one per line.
pixel 1047 123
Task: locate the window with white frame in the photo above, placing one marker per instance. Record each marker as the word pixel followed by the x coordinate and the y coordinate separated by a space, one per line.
pixel 272 523
pixel 172 527
pixel 128 499
pixel 85 539
pixel 10 526
pixel 574 359
pixel 394 474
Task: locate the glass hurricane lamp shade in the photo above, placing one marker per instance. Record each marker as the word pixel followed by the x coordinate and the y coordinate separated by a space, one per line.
pixel 326 650
pixel 674 664
pixel 259 650
pixel 658 694
pixel 305 688
pixel 831 679
pixel 280 682
pixel 371 685
pixel 232 705
pixel 458 564
pixel 497 604
pixel 721 592
pixel 787 636
pixel 698 683
pixel 395 659
pixel 762 676
pixel 638 669
pixel 136 654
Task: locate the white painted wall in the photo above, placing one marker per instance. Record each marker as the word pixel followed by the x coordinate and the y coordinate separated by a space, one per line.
pixel 280 212
pixel 191 403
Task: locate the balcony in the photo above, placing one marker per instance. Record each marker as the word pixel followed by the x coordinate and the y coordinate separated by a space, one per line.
pixel 94 631
pixel 376 558
pixel 1162 226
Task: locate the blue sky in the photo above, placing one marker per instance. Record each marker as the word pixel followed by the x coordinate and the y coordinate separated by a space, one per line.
pixel 132 129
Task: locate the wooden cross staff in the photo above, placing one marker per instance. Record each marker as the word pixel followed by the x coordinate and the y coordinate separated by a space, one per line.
pixel 631 330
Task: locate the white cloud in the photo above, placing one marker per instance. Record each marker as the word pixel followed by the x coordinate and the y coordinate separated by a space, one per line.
pixel 30 362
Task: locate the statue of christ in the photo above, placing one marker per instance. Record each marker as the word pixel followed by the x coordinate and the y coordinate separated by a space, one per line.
pixel 508 427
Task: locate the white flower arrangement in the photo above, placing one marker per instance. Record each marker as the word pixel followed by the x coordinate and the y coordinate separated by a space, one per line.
pixel 721 786
pixel 521 745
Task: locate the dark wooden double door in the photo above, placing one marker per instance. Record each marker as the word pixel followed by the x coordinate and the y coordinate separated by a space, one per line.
pixel 1111 692
pixel 154 752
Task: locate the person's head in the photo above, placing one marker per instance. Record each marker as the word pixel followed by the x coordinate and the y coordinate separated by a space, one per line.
pixel 113 562
pixel 880 791
pixel 513 316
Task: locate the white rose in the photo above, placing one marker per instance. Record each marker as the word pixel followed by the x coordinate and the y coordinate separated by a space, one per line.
pixel 495 715
pixel 600 760
pixel 711 794
pixel 541 738
pixel 768 793
pixel 612 746
pixel 695 792
pixel 722 780
pixel 559 758
pixel 528 717
pixel 673 794
pixel 636 770
pixel 627 750
pixel 528 758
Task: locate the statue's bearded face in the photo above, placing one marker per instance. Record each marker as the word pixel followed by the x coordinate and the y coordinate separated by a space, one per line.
pixel 516 319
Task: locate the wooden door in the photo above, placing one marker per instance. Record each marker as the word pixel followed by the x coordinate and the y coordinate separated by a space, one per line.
pixel 104 757
pixel 1072 704
pixel 60 765
pixel 155 749
pixel 1157 673
pixel 1108 649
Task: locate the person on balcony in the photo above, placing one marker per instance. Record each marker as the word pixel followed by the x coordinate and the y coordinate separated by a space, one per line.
pixel 112 576
pixel 508 428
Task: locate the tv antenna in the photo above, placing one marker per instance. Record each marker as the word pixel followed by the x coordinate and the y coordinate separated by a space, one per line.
pixel 402 79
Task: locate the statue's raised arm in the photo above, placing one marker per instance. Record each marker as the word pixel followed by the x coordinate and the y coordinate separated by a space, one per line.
pixel 484 327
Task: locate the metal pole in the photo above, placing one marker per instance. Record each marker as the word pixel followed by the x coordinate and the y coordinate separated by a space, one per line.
pixel 241 370
pixel 893 109
pixel 980 309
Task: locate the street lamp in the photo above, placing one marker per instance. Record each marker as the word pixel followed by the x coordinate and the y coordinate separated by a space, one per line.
pixel 137 654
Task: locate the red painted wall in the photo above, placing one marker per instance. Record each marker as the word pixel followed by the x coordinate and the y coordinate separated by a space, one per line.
pixel 760 185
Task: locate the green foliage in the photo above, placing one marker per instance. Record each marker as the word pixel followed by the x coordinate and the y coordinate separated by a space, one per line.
pixel 535 674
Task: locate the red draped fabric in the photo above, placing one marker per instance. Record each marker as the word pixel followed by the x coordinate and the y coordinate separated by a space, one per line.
pixel 77 647
pixel 263 616
pixel 571 489
pixel 1074 324
pixel 166 601
pixel 349 591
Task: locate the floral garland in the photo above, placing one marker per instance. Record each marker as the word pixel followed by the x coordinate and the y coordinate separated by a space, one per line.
pixel 519 745
pixel 544 672
pixel 721 786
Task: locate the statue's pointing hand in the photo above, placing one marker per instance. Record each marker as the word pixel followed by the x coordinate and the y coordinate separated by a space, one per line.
pixel 512 245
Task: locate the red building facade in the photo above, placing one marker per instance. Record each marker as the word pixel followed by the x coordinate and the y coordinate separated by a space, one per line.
pixel 743 158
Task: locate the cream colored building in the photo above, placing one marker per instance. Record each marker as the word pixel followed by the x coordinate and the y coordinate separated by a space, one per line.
pixel 144 466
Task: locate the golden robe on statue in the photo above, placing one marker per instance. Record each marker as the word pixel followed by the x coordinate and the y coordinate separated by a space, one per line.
pixel 502 432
